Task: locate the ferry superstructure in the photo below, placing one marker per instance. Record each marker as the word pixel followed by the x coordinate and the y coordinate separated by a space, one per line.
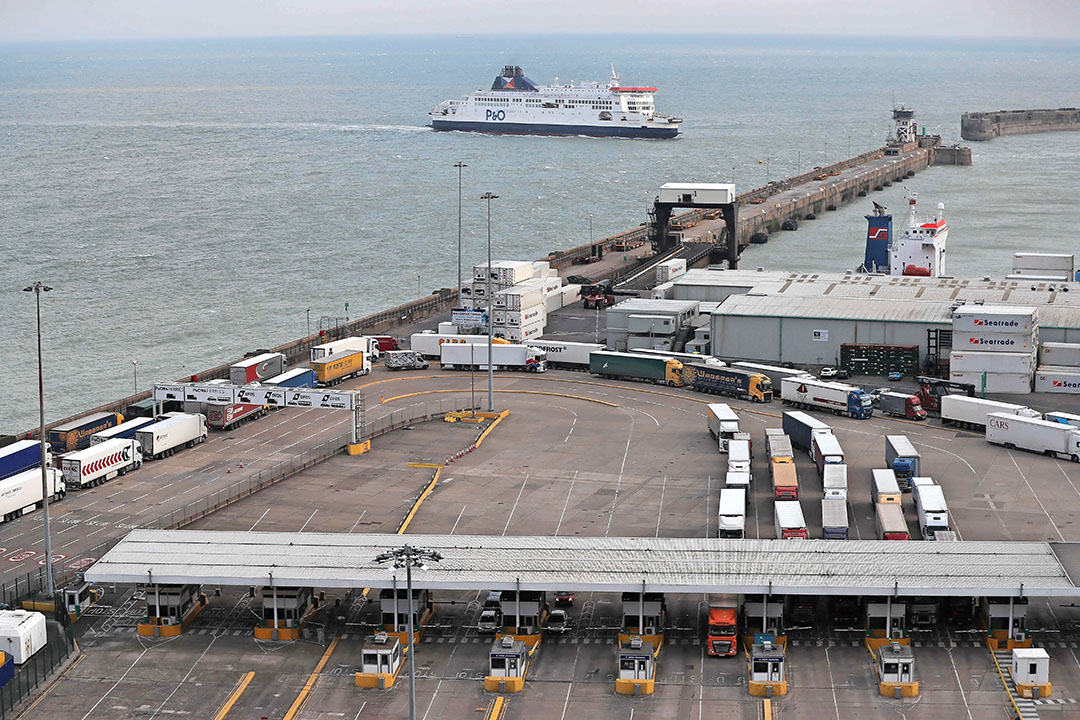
pixel 517 105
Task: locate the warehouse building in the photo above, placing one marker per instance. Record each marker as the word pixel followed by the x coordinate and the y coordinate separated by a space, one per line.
pixel 803 318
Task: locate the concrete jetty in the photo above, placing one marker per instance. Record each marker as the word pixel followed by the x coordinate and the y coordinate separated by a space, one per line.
pixel 989 125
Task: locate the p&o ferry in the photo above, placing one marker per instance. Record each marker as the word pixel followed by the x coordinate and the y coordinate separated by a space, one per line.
pixel 517 105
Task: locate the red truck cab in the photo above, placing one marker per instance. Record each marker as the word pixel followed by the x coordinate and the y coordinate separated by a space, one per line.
pixel 723 631
pixel 386 343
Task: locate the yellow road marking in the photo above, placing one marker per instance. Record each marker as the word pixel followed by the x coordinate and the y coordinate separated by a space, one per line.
pixel 301 699
pixel 241 686
pixel 495 710
pixel 510 392
pixel 416 505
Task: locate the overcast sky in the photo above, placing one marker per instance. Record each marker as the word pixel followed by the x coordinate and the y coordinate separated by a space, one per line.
pixel 32 20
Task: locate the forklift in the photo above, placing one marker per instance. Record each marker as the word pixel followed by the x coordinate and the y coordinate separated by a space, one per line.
pixel 931 389
pixel 598 295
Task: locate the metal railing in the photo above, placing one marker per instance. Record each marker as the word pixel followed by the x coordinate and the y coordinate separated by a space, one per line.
pixel 35 672
pixel 67 570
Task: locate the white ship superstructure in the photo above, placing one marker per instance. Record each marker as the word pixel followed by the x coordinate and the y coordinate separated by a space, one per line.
pixel 517 105
pixel 920 247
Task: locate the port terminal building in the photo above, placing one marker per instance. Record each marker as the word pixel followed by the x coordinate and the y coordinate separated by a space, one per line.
pixel 804 318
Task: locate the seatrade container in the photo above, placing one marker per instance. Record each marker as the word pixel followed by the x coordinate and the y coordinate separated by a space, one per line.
pixel 20 456
pixel 1057 380
pixel 1004 383
pixel 991 362
pixel 75 435
pixel 995 319
pixel 995 342
pixel 1060 354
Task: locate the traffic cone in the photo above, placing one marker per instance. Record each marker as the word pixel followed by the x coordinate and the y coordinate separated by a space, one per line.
pixel 228 471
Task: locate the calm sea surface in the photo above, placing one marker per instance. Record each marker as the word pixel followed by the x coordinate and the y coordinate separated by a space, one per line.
pixel 192 200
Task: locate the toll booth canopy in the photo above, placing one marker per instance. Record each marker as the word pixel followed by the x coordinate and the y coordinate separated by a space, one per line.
pixel 394 607
pixel 643 615
pixel 636 661
pixel 507 658
pixel 530 605
pixel 381 654
pixel 169 603
pixel 286 605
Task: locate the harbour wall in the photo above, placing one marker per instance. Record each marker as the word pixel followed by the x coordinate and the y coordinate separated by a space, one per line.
pixel 989 125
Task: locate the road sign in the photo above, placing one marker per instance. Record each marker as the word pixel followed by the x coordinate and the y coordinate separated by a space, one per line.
pixel 463 318
pixel 261 396
pixel 169 392
pixel 209 393
pixel 319 399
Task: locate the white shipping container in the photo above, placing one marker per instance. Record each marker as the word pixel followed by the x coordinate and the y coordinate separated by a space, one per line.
pixel 995 342
pixel 517 318
pixel 100 462
pixel 991 362
pixel 1024 262
pixel 505 271
pixel 520 296
pixel 1059 354
pixel 965 411
pixel 520 334
pixel 670 270
pixel 171 434
pixel 1039 276
pixel 447 328
pixel 541 269
pixel 651 324
pixel 553 302
pixel 1004 383
pixel 995 318
pixel 1053 379
pixel 690 193
pixel 22 634
pixel 570 294
pixel 552 285
pixel 1034 434
pixel 663 291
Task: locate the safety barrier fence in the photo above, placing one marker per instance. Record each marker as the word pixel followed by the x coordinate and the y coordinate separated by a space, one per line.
pixel 66 570
pixel 35 672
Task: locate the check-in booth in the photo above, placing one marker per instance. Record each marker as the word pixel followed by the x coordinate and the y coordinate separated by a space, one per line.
pixel 394 606
pixel 380 661
pixel 1030 670
pixel 1005 622
pixel 895 664
pixel 637 667
pixel 508 664
pixel 524 613
pixel 765 671
pixel 170 609
pixel 765 617
pixel 886 622
pixel 78 599
pixel 284 612
pixel 643 615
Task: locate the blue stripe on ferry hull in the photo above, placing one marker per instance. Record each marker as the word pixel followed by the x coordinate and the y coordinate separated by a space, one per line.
pixel 507 128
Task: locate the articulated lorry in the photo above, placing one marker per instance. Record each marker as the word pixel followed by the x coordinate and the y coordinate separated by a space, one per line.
pixel 723 631
pixel 171 434
pixel 736 382
pixel 903 459
pixel 731 521
pixel 296 378
pixel 101 462
pixel 932 510
pixel 785 480
pixel 503 357
pixel 838 398
pixel 21 493
pixel 834 519
pixel 900 405
pixel 633 366
pixel 801 428
pixel 570 355
pixel 723 424
pixel 1035 435
pixel 827 451
pixel 122 431
pixel 19 456
pixel 971 412
pixel 370 345
pixel 339 367
pixel 788 520
pixel 227 416
pixel 76 434
pixel 778 446
pixel 259 367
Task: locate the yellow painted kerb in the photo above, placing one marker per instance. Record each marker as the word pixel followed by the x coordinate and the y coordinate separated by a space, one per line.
pixel 301 699
pixel 241 686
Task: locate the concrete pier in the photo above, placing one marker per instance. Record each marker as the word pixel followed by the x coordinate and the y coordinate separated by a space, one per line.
pixel 989 125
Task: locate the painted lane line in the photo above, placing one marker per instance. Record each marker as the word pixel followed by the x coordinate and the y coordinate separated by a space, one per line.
pixel 260 520
pixel 309 520
pixel 618 481
pixel 947 452
pixel 362 514
pixel 507 526
pixel 1032 491
pixel 116 684
pixel 565 504
pixel 660 510
pixel 451 532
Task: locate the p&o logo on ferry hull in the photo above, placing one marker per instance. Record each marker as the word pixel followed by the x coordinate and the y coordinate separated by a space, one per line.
pixel 494 114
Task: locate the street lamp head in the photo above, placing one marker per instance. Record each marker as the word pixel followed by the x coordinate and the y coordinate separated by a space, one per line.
pixel 489 196
pixel 460 165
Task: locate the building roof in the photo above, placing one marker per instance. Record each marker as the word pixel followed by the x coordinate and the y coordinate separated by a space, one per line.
pixel 647 306
pixel 687 565
pixel 836 308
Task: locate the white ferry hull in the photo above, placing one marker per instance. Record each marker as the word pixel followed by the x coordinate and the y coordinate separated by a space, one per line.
pixel 513 128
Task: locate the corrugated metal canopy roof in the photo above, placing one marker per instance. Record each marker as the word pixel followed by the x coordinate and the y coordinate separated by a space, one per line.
pixel 862 567
pixel 836 308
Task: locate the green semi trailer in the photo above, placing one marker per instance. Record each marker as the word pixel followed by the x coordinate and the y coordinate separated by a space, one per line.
pixel 632 366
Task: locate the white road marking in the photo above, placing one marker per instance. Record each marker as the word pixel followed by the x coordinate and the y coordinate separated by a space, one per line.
pixel 565 504
pixel 566 703
pixel 1032 491
pixel 660 511
pixel 507 526
pixel 362 514
pixel 947 452
pixel 618 481
pixel 116 684
pixel 185 678
pixel 309 520
pixel 452 532
pixel 832 684
pixel 260 520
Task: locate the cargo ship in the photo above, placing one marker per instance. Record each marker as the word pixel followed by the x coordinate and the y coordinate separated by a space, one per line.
pixel 918 250
pixel 517 105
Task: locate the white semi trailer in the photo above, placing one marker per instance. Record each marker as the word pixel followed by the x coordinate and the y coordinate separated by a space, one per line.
pixel 101 462
pixel 21 493
pixel 1041 436
pixel 503 357
pixel 175 432
pixel 972 412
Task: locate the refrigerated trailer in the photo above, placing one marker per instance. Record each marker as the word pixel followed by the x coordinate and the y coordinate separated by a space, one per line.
pixel 788 520
pixel 570 355
pixel 834 481
pixel 101 462
pixel 732 513
pixel 173 433
pixel 837 398
pixel 122 431
pixel 932 510
pixel 723 424
pixel 20 494
pixel 503 357
pixel 971 412
pixel 254 369
pixel 1035 435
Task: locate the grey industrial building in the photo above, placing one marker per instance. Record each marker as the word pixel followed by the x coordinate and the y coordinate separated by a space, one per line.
pixel 803 318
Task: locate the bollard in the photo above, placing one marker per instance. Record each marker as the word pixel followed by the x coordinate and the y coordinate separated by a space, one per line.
pixel 896 692
pixel 502 686
pixel 382 682
pixel 1035 692
pixel 768 691
pixel 637 688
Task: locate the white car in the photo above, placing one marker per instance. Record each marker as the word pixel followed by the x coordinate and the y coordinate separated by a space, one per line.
pixel 828 372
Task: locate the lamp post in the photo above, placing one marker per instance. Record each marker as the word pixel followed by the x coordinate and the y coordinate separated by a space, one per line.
pixel 459 165
pixel 135 370
pixel 309 322
pixel 409 557
pixel 50 590
pixel 590 229
pixel 489 196
pixel 419 292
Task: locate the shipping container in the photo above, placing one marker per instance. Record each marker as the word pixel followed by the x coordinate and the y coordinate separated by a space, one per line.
pixel 1060 354
pixel 296 378
pixel 682 194
pixel 732 515
pixel 259 367
pixel 670 270
pixel 891 524
pixel 21 493
pixel 883 487
pixel 774 373
pixel 101 462
pixel 801 428
pixel 1011 363
pixel 1025 262
pixel 518 318
pixel 838 398
pixel 516 298
pixel 995 318
pixel 25 633
pixel 335 369
pixel 570 294
pixel 508 272
pixel 834 519
pixel 722 422
pixel 995 342
pixel 932 511
pixel 971 412
pixel 1001 383
pixel 834 481
pixel 785 481
pixel 367 344
pixel 826 451
pixel 632 366
pixel 570 355
pixel 520 334
pixel 171 434
pixel 122 431
pixel 1041 436
pixel 1053 379
pixel 788 520
pixel 503 357
pixel 736 382
pixel 227 416
pixel 19 456
pixel 902 458
pixel 75 435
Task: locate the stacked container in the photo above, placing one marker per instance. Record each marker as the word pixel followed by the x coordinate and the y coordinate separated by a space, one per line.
pixel 1043 266
pixel 994 347
pixel 1059 368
